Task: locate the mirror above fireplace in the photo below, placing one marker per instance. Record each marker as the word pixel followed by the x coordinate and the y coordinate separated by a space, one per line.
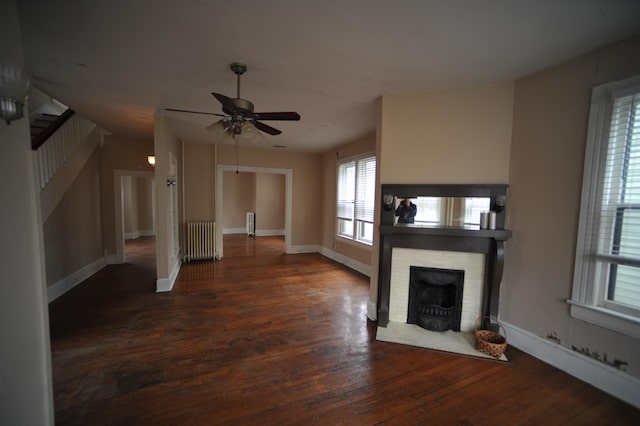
pixel 451 212
pixel 445 206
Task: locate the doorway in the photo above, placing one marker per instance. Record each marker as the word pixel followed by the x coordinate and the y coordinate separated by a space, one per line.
pixel 128 184
pixel 219 200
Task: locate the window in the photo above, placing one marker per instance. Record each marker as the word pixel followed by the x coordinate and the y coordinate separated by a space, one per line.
pixel 429 210
pixel 356 199
pixel 606 287
pixel 473 206
pixel 450 211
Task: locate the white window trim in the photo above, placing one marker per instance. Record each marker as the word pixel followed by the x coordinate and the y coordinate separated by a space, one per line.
pixel 587 299
pixel 613 320
pixel 352 241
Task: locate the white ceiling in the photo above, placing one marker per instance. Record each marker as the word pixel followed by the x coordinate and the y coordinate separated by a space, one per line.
pixel 119 62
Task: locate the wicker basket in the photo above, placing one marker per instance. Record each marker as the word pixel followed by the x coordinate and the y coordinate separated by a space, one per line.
pixel 489 342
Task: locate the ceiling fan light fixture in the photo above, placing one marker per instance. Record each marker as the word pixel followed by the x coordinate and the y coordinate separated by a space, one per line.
pixel 251 133
pixel 218 128
pixel 227 138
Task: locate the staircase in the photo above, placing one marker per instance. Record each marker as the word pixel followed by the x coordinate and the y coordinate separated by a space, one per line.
pixel 56 131
pixel 39 122
pixel 43 125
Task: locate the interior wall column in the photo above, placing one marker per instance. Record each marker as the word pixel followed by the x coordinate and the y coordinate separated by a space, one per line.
pixel 26 392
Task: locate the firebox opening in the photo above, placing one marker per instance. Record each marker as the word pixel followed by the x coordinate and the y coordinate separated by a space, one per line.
pixel 435 298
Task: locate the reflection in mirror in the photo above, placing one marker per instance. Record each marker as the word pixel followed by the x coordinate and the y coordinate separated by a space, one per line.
pixel 455 212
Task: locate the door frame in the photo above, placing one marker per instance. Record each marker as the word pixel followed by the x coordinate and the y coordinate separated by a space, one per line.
pixel 219 200
pixel 118 194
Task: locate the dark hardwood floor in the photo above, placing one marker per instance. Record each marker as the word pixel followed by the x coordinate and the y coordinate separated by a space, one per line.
pixel 267 338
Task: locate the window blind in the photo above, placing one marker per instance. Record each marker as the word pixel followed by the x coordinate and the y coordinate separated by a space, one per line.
pixel 429 209
pixel 619 230
pixel 473 206
pixel 366 189
pixel 346 190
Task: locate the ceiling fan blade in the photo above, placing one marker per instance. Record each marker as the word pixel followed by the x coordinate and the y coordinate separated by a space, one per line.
pixel 265 128
pixel 285 115
pixel 194 112
pixel 224 100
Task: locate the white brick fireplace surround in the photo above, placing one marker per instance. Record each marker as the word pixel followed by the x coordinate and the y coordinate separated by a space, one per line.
pixel 471 263
pixel 398 331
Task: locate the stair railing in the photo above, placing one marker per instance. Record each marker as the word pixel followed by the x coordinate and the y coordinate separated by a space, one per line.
pixel 37 141
pixel 54 145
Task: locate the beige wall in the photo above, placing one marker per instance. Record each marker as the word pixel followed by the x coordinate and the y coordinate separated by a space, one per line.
pixel 199 165
pixel 355 251
pixel 450 136
pixel 145 204
pixel 129 204
pixel 307 184
pixel 262 193
pixel 118 154
pixel 269 201
pixel 239 198
pixel 72 232
pixel 55 189
pixel 549 133
pixel 199 181
pixel 137 206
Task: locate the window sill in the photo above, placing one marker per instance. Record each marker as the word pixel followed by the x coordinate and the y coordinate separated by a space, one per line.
pixel 622 323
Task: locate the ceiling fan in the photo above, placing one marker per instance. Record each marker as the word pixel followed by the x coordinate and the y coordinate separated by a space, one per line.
pixel 238 113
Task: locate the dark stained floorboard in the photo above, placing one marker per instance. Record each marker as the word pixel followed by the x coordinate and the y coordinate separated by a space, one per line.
pixel 267 338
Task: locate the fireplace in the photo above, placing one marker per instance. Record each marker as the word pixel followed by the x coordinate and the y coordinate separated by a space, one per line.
pixel 435 298
pixel 477 253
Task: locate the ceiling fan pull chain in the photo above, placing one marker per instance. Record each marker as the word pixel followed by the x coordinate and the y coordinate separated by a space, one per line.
pixel 236 142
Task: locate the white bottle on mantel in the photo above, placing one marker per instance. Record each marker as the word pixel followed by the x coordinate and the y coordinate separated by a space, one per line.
pixel 492 220
pixel 484 220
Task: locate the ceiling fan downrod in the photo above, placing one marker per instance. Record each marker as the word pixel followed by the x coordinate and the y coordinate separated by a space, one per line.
pixel 238 69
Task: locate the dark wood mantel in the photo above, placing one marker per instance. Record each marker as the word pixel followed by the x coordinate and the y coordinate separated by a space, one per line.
pixel 488 242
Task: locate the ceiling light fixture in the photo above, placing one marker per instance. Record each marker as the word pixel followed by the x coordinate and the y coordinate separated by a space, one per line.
pixel 151 159
pixel 218 128
pixel 239 117
pixel 235 129
pixel 14 89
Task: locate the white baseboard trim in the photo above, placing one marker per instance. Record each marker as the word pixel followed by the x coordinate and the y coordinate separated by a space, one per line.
pixel 64 285
pixel 372 310
pixel 112 259
pixel 611 380
pixel 234 231
pixel 269 232
pixel 166 284
pixel 137 234
pixel 312 248
pixel 347 261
